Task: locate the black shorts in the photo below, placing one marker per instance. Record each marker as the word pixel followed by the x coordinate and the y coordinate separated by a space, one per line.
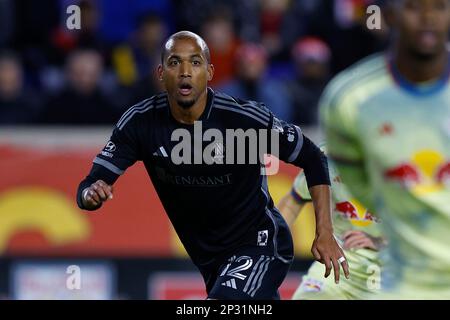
pixel 248 273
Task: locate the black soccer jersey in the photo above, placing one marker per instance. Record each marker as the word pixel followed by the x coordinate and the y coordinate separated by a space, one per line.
pixel 215 207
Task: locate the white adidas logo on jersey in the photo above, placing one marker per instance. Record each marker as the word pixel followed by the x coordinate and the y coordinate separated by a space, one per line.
pixel 160 152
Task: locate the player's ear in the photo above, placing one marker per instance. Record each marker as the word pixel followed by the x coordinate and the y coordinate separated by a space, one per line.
pixel 160 72
pixel 210 71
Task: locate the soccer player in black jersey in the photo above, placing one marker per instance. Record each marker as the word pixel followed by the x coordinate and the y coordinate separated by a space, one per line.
pixel 221 210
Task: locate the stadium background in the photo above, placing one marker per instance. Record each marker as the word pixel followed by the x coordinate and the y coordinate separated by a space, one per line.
pixel 62 90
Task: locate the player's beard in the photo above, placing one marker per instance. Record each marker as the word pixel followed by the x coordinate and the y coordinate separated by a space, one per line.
pixel 424 56
pixel 186 104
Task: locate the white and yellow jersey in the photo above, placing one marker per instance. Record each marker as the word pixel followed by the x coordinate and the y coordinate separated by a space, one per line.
pixel 348 214
pixel 390 141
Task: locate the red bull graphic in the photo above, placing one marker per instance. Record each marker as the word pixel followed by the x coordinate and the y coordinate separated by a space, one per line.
pixel 428 171
pixel 355 212
pixel 311 285
pixel 405 173
pixel 370 217
pixel 443 175
pixel 347 209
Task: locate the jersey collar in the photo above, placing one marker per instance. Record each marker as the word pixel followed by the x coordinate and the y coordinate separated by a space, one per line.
pixel 209 102
pixel 423 89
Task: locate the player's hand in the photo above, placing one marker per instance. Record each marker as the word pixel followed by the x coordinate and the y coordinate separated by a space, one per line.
pixel 355 239
pixel 97 193
pixel 326 250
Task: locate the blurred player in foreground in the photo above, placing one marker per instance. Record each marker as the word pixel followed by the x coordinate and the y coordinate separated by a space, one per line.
pixel 357 231
pixel 221 211
pixel 387 123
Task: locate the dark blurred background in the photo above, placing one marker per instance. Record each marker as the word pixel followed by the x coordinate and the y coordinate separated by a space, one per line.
pixel 279 51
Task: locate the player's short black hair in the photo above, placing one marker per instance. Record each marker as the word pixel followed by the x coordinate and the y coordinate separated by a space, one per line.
pixel 186 35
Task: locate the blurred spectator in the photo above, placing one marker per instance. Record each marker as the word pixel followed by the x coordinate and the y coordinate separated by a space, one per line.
pixel 296 23
pixel 191 14
pixel 119 17
pixel 272 16
pixel 81 101
pixel 342 24
pixel 39 32
pixel 34 22
pixel 33 25
pixel 64 41
pixel 132 62
pixel 143 89
pixel 246 13
pixel 311 57
pixel 251 83
pixel 17 104
pixel 6 22
pixel 218 32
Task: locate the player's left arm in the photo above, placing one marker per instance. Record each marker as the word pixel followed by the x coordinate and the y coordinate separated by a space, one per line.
pixel 290 208
pixel 295 200
pixel 296 148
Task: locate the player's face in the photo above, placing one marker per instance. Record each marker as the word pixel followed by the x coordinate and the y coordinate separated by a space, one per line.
pixel 422 25
pixel 186 71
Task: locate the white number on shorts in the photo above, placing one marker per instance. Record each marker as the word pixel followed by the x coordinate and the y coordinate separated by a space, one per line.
pixel 235 271
pixel 374 280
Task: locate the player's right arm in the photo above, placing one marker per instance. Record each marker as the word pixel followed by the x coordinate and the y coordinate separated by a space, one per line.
pixel 299 150
pixel 120 152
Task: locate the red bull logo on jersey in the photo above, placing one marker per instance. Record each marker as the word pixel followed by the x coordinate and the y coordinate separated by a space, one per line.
pixel 355 212
pixel 427 172
pixel 311 285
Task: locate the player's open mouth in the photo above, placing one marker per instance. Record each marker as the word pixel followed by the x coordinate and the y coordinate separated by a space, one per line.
pixel 185 89
pixel 428 37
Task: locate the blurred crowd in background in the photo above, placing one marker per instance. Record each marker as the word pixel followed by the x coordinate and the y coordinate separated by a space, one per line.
pixel 280 52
